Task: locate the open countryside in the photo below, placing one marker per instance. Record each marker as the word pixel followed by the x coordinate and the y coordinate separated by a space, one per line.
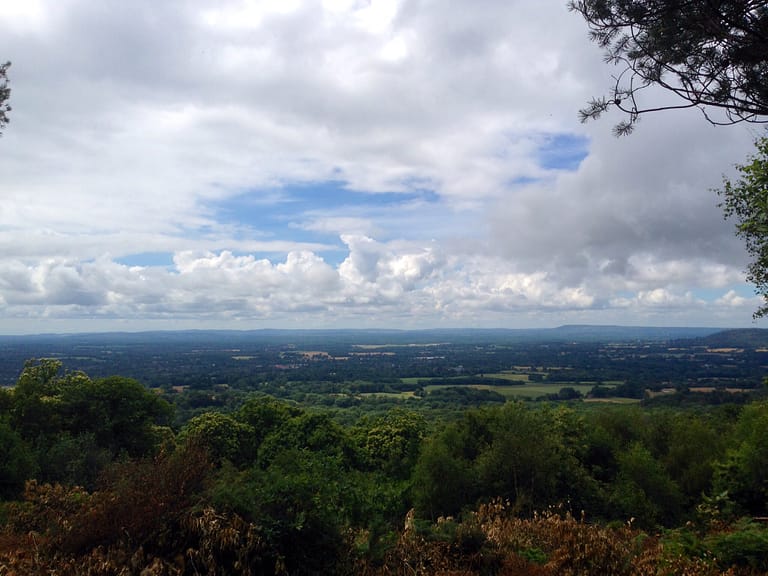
pixel 581 450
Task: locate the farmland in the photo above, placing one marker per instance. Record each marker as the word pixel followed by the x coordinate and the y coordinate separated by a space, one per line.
pixel 371 370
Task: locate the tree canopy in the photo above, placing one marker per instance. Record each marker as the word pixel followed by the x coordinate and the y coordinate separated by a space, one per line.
pixel 5 94
pixel 746 200
pixel 712 54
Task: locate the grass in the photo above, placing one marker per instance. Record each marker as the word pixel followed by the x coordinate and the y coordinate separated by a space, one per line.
pixel 511 376
pixel 520 387
pixel 614 400
pixel 523 391
pixel 393 395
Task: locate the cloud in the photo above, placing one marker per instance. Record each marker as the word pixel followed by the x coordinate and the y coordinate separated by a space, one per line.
pixel 636 208
pixel 404 163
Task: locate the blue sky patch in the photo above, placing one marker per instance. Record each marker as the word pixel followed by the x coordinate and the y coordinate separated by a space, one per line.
pixel 710 294
pixel 563 152
pixel 521 181
pixel 147 259
pixel 280 213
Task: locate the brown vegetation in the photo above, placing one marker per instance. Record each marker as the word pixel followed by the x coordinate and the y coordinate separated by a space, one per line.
pixel 66 531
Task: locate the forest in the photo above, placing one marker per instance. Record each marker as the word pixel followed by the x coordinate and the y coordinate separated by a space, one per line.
pixel 111 475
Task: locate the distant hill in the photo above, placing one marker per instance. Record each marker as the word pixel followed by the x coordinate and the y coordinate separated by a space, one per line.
pixel 744 338
pixel 596 333
pixel 569 333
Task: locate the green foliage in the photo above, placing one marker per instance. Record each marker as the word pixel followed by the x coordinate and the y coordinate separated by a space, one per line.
pixel 743 472
pixel 624 425
pixel 529 457
pixel 746 200
pixel 120 412
pixel 275 488
pixel 740 548
pixel 523 460
pixel 693 445
pixel 222 435
pixel 618 463
pixel 6 400
pixel 303 502
pixel 644 491
pixel 463 396
pixel 17 462
pixel 443 481
pixel 391 443
pixel 264 415
pixel 744 545
pixel 568 393
pixel 74 459
pixel 74 425
pixel 600 452
pixel 37 398
pixel 310 431
pixel 313 484
pixel 712 55
pixel 323 498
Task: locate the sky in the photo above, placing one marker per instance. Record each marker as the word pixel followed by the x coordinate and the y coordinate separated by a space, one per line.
pixel 193 164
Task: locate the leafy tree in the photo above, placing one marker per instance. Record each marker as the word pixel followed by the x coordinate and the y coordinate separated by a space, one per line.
pixel 17 462
pixel 524 459
pixel 743 473
pixel 37 398
pixel 313 432
pixel 623 424
pixel 73 459
pixel 712 55
pixel 265 414
pixel 693 446
pixel 513 452
pixel 223 436
pixel 306 488
pixel 643 490
pixel 746 200
pixel 5 94
pixel 392 442
pixel 443 481
pixel 445 476
pixel 122 414
pixel 76 425
pixel 301 502
pixel 6 400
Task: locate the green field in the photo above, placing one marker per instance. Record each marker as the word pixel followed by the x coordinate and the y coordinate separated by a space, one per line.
pixel 615 400
pixel 520 386
pixel 511 376
pixel 393 395
pixel 525 391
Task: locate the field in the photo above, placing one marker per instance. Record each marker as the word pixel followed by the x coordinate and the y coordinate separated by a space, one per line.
pixel 524 391
pixel 520 386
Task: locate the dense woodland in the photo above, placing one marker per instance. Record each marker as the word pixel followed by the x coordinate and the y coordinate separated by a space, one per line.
pixel 101 475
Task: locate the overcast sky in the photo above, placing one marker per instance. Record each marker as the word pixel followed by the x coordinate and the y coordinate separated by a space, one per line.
pixel 345 163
